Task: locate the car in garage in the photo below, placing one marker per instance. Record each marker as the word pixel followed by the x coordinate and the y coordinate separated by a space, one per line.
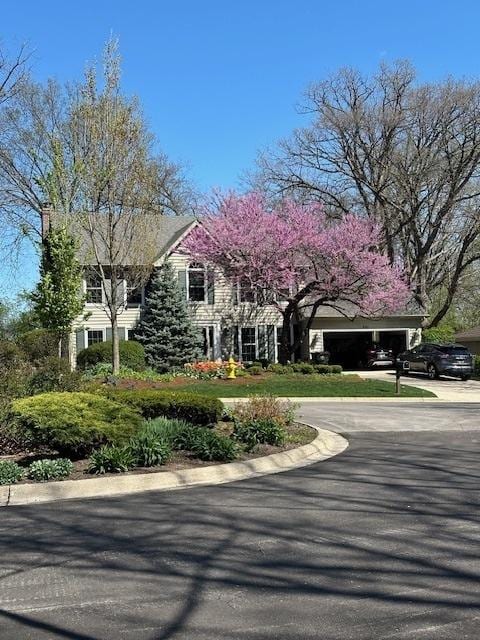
pixel 438 359
pixel 375 355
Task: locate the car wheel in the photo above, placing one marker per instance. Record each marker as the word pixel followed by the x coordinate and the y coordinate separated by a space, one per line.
pixel 432 372
pixel 465 378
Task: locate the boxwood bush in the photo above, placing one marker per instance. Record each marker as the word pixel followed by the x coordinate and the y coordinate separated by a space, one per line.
pixel 132 355
pixel 75 423
pixel 152 403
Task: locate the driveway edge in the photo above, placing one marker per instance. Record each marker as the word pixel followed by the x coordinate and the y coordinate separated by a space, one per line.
pixel 326 445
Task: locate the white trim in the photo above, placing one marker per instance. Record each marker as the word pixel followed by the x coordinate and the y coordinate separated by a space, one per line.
pixel 91 305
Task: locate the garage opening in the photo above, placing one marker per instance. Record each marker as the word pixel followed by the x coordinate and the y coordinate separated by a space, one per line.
pixel 394 340
pixel 348 348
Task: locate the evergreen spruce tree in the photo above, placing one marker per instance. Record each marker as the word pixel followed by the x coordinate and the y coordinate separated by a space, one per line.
pixel 165 329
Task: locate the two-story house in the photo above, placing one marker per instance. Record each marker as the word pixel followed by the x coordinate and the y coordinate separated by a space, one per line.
pixel 232 321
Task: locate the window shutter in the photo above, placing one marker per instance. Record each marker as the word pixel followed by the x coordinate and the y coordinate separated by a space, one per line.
pixel 210 287
pixel 122 333
pixel 271 342
pixel 236 345
pixel 80 339
pixel 108 333
pixel 235 299
pixel 182 282
pixel 121 292
pixel 262 347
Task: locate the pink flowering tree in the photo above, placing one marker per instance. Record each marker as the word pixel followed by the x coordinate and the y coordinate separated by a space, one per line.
pixel 297 260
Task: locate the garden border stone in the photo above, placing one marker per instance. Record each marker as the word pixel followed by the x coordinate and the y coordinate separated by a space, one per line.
pixel 326 445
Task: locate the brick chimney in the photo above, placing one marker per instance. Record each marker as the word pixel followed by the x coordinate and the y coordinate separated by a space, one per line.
pixel 46 218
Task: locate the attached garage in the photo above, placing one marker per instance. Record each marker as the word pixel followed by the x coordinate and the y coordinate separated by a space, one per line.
pixel 348 347
pixel 346 337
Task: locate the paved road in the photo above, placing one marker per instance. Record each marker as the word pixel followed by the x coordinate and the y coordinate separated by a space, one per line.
pixel 378 543
pixel 352 417
pixel 451 389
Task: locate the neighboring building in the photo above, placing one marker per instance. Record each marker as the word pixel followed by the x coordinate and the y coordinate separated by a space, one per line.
pixel 470 339
pixel 232 321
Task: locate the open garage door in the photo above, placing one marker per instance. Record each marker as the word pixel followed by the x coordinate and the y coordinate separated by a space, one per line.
pixel 347 347
pixel 396 341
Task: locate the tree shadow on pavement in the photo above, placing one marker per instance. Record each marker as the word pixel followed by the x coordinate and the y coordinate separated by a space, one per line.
pixel 379 542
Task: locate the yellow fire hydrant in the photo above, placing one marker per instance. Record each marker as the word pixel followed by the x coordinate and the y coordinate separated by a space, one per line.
pixel 231 368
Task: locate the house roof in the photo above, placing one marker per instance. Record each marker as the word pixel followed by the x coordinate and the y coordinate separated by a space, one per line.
pixel 349 310
pixel 471 334
pixel 158 233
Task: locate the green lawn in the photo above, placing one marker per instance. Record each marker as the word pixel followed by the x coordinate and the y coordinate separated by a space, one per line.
pixel 297 386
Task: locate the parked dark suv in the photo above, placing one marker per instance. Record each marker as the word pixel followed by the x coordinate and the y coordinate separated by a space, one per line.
pixel 439 359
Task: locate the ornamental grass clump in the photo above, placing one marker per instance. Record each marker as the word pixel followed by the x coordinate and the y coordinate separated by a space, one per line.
pixel 150 449
pixel 260 431
pixel 111 459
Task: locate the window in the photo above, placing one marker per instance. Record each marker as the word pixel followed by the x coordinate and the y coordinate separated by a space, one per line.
pixel 93 288
pixel 196 282
pixel 134 295
pixel 247 292
pixel 94 336
pixel 249 351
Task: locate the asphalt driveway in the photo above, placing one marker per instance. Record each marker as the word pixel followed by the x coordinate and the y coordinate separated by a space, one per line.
pixel 379 542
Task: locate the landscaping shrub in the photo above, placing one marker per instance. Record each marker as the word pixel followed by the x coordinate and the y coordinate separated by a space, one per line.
pixel 75 423
pixel 201 441
pixel 132 355
pixel 104 370
pixel 152 403
pixel 476 364
pixel 254 364
pixel 10 472
pixel 166 428
pixel 280 369
pixel 48 469
pixel 327 369
pixel 255 370
pixel 111 459
pixel 208 445
pixel 149 449
pixel 38 344
pixel 53 374
pixel 264 408
pixel 259 431
pixel 303 367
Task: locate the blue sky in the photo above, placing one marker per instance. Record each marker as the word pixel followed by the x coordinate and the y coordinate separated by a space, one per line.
pixel 219 79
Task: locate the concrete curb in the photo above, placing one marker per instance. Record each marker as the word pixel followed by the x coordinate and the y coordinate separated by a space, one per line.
pixel 304 400
pixel 326 445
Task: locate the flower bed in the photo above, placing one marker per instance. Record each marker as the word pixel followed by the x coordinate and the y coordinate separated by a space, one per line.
pixel 259 427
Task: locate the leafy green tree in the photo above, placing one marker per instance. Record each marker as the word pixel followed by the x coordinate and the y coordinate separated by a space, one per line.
pixel 56 299
pixel 165 330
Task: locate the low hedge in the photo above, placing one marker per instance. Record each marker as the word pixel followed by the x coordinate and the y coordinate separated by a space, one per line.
pixel 476 360
pixel 305 368
pixel 152 403
pixel 75 423
pixel 132 355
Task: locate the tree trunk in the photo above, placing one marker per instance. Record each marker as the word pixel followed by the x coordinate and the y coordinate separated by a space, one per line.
pixel 286 351
pixel 115 347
